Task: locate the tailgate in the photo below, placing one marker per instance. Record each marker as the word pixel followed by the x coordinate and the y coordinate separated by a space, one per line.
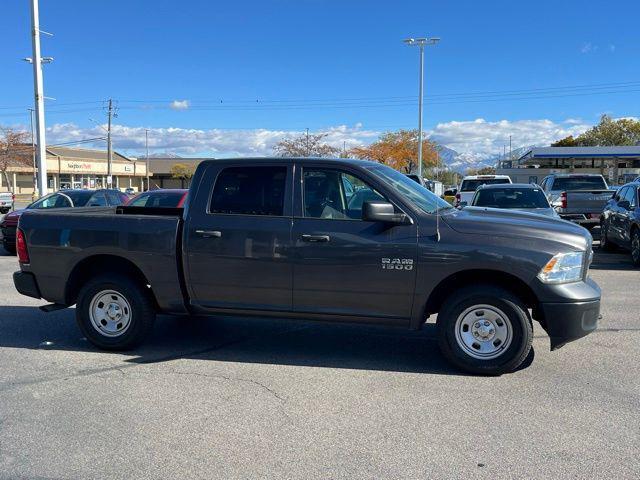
pixel 587 201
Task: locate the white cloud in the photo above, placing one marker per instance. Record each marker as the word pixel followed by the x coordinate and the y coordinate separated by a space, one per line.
pixel 179 104
pixel 479 138
pixel 214 142
pixel 474 140
pixel 612 48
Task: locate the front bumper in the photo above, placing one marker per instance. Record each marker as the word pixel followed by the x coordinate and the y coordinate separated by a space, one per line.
pixel 8 235
pixel 26 284
pixel 566 322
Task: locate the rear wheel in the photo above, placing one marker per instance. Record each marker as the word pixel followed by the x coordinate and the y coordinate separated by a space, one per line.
pixel 635 247
pixel 114 312
pixel 485 330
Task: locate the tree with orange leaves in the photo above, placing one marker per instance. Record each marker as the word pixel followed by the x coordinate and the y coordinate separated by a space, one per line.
pixel 399 150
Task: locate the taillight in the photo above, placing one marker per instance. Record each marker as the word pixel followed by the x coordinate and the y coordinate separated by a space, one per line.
pixel 21 247
pixel 563 200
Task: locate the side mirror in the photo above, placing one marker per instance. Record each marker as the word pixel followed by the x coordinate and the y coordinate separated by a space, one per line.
pixel 624 204
pixel 383 212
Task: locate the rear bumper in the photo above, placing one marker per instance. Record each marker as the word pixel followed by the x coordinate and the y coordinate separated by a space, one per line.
pixel 566 322
pixel 582 218
pixel 26 284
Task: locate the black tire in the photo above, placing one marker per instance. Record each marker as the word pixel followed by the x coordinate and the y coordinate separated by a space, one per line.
pixel 512 308
pixel 605 244
pixel 140 317
pixel 635 247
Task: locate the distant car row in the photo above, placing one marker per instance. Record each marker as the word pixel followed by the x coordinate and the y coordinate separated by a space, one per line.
pixel 584 199
pixel 88 198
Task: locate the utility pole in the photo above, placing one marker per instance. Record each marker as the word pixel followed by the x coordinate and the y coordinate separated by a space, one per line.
pixel 510 150
pixel 308 152
pixel 41 156
pixel 33 154
pixel 146 144
pixel 109 146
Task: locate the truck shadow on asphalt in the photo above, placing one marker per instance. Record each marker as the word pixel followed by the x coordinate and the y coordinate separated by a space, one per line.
pixel 243 340
pixel 617 260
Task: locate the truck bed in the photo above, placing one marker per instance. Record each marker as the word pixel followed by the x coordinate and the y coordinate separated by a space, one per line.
pixel 60 240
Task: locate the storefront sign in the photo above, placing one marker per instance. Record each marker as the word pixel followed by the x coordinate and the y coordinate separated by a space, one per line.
pixel 79 166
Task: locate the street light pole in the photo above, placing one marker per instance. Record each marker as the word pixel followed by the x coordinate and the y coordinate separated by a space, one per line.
pixel 33 154
pixel 146 144
pixel 41 155
pixel 421 42
pixel 109 146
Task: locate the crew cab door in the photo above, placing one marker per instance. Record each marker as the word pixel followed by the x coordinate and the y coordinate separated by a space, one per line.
pixel 238 238
pixel 343 264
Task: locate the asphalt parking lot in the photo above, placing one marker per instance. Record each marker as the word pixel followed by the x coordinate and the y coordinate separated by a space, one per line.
pixel 242 398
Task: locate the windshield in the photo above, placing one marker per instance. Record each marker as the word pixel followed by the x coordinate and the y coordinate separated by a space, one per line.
pixel 412 191
pixel 59 200
pixel 579 183
pixel 510 198
pixel 472 185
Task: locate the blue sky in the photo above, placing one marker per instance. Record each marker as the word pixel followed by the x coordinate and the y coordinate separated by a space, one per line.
pixel 253 71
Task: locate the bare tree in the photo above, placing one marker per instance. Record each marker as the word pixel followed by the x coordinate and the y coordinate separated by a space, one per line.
pixel 306 145
pixel 14 152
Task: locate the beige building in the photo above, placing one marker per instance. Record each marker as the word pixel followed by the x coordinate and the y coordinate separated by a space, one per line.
pixel 162 167
pixel 69 167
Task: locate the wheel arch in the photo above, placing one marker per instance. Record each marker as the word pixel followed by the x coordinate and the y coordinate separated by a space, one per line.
pixel 466 278
pixel 94 265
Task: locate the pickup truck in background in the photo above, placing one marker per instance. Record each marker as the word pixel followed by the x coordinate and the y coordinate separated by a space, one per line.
pixel 316 239
pixel 7 200
pixel 579 198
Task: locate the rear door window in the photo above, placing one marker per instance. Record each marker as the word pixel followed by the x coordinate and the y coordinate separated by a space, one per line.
pixel 250 191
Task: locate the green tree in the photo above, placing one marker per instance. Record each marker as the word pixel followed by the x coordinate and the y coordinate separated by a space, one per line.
pixel 183 172
pixel 566 142
pixel 608 132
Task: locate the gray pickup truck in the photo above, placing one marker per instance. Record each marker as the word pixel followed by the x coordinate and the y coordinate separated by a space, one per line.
pixel 316 239
pixel 578 197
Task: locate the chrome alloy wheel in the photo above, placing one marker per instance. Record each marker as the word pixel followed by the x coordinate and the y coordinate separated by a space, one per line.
pixel 110 313
pixel 483 332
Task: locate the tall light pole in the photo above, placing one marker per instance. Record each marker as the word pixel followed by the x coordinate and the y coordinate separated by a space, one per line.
pixel 421 42
pixel 146 144
pixel 36 60
pixel 33 153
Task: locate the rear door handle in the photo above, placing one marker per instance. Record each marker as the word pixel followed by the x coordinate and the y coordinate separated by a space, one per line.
pixel 209 233
pixel 315 238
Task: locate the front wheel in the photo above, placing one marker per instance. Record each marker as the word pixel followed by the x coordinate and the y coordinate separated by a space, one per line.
pixel 114 312
pixel 635 247
pixel 485 330
pixel 605 243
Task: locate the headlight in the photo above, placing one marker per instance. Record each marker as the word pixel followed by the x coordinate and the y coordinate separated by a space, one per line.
pixel 563 268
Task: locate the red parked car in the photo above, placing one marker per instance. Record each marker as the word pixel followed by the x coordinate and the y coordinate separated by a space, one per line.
pixel 61 199
pixel 160 198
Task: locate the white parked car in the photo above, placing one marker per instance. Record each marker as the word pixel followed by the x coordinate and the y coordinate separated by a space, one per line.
pixel 6 201
pixel 470 183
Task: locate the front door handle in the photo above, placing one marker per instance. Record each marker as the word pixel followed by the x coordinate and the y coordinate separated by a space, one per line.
pixel 209 233
pixel 315 238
